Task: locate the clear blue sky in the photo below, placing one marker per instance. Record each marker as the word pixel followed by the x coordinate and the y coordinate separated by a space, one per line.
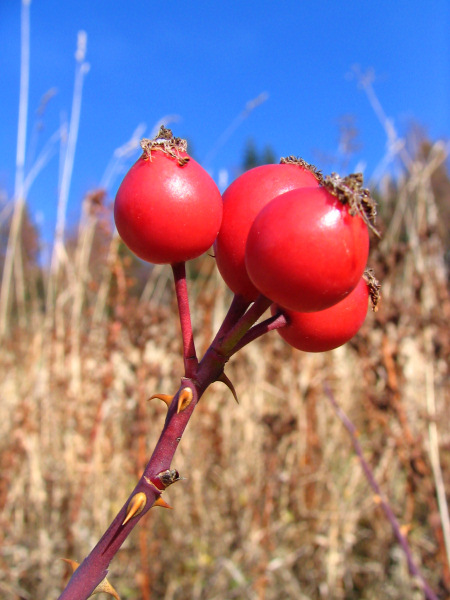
pixel 205 60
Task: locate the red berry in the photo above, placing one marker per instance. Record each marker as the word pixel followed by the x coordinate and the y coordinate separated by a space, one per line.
pixel 305 251
pixel 167 209
pixel 326 329
pixel 242 201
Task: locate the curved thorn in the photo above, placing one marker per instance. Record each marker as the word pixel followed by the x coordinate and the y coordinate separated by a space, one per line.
pixel 164 397
pixel 135 506
pixel 72 563
pixel 162 503
pixel 184 399
pixel 106 588
pixel 224 379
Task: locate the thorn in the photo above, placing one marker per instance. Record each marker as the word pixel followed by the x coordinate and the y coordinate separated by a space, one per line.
pixel 73 564
pixel 162 503
pixel 103 586
pixel 164 397
pixel 184 399
pixel 224 379
pixel 135 506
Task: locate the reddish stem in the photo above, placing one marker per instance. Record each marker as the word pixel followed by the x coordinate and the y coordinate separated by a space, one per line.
pixel 275 322
pixel 237 323
pixel 189 353
pixel 237 332
pixel 237 309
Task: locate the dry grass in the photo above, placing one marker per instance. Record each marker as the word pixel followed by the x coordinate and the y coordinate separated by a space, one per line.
pixel 275 504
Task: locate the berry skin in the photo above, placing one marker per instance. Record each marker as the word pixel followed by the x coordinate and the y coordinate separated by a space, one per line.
pixel 242 201
pixel 167 209
pixel 326 329
pixel 305 251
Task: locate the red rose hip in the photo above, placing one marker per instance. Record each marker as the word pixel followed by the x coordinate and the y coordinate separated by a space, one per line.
pixel 242 201
pixel 167 209
pixel 305 251
pixel 326 329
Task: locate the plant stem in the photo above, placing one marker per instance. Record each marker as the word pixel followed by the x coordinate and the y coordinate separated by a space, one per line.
pixel 237 332
pixel 189 353
pixel 237 309
pixel 275 322
pixel 413 568
pixel 237 322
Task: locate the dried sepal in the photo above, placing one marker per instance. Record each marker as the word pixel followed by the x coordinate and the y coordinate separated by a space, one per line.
pixel 294 160
pixel 167 143
pixel 349 190
pixel 184 399
pixel 103 587
pixel 135 506
pixel 374 288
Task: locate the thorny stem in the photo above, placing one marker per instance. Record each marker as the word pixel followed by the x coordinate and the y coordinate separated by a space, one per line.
pixel 413 568
pixel 189 353
pixel 94 568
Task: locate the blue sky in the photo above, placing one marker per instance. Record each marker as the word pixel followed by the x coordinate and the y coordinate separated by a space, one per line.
pixel 203 61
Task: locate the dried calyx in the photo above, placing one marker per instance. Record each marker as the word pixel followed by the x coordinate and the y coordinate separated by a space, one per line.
pixel 374 288
pixel 349 190
pixel 294 160
pixel 166 142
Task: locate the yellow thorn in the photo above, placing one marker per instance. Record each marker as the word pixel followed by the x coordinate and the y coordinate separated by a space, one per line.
pixel 164 397
pixel 73 564
pixel 103 586
pixel 162 503
pixel 135 506
pixel 184 399
pixel 106 588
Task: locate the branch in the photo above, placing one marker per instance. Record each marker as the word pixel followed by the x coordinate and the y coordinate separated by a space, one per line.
pixel 189 353
pixel 275 322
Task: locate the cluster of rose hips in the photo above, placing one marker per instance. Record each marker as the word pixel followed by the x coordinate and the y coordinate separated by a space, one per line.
pixel 280 230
